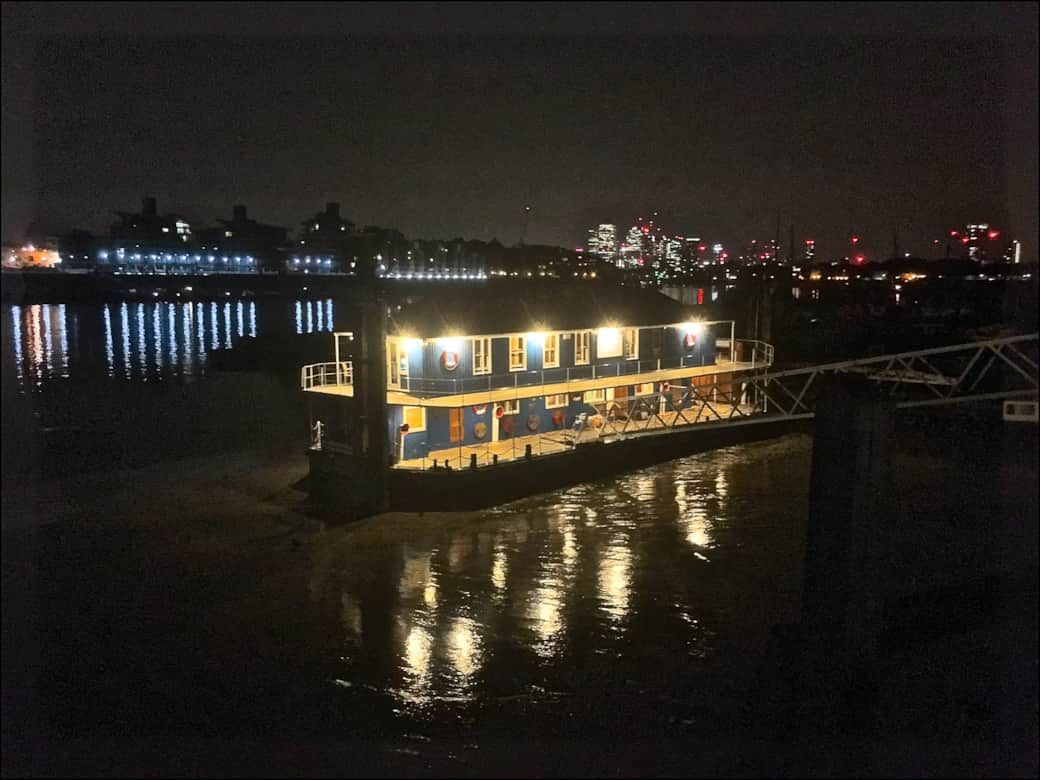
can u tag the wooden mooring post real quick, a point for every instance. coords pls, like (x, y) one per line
(820, 672)
(849, 504)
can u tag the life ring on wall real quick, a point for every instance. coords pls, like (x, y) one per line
(507, 426)
(690, 341)
(665, 387)
(450, 360)
(558, 419)
(480, 430)
(480, 409)
(499, 411)
(597, 422)
(533, 422)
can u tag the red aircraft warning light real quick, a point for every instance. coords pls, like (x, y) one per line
(854, 239)
(993, 234)
(953, 233)
(860, 259)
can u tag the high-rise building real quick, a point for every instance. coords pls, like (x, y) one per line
(603, 242)
(977, 241)
(810, 250)
(633, 250)
(975, 233)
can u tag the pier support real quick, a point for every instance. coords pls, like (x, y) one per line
(370, 423)
(820, 673)
(849, 495)
(349, 483)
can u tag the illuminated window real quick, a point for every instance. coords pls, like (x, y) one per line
(630, 339)
(517, 353)
(551, 353)
(594, 396)
(581, 347)
(482, 355)
(647, 388)
(415, 418)
(510, 407)
(555, 401)
(608, 343)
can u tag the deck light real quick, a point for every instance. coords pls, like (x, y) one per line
(450, 344)
(608, 340)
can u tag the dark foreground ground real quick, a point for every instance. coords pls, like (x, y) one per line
(170, 620)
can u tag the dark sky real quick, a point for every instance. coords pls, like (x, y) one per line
(444, 120)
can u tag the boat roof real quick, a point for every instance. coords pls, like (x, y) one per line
(566, 308)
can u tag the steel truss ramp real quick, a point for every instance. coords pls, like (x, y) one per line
(1002, 368)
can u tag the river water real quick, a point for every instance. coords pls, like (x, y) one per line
(124, 384)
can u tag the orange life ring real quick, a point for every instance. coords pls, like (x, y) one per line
(480, 409)
(597, 422)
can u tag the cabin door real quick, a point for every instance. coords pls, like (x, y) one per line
(454, 425)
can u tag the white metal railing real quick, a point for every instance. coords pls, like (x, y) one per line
(754, 355)
(325, 374)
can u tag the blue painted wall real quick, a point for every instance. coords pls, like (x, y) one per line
(425, 364)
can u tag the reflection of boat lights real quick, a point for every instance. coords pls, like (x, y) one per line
(417, 652)
(430, 594)
(464, 650)
(499, 569)
(544, 612)
(614, 580)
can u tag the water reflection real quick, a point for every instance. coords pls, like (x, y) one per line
(603, 574)
(464, 650)
(137, 341)
(615, 579)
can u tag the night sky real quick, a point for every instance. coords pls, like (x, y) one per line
(444, 121)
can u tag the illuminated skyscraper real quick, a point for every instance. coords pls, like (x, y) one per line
(602, 242)
(810, 249)
(634, 250)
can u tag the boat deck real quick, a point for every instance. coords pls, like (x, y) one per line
(400, 397)
(565, 440)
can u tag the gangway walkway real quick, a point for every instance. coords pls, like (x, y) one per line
(1001, 368)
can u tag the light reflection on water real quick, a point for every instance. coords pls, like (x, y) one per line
(519, 596)
(137, 341)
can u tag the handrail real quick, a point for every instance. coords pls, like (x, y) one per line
(326, 374)
(759, 355)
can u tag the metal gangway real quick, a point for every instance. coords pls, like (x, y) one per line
(993, 369)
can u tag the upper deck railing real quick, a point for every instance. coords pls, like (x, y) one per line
(751, 355)
(744, 353)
